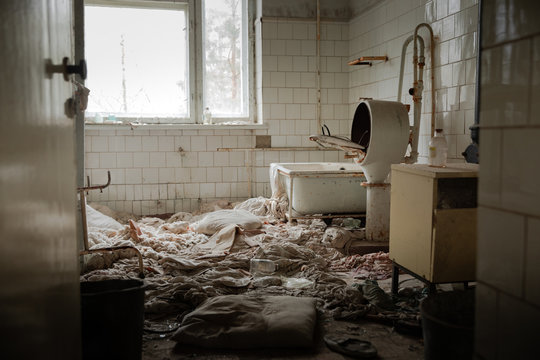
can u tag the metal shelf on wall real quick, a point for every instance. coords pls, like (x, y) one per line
(366, 60)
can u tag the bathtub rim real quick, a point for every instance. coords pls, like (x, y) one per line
(281, 167)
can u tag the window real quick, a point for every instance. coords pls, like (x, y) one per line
(165, 62)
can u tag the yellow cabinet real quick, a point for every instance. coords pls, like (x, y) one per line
(433, 221)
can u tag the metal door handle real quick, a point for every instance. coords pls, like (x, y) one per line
(66, 69)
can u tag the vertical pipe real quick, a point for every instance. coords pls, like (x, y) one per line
(402, 66)
(432, 53)
(318, 62)
(419, 41)
(82, 200)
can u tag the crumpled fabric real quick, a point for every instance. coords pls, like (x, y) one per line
(99, 220)
(337, 237)
(183, 268)
(217, 220)
(242, 322)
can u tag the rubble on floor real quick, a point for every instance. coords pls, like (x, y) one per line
(187, 260)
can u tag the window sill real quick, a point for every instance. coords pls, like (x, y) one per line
(94, 126)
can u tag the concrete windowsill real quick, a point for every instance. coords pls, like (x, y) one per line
(93, 126)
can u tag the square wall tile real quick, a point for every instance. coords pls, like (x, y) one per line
(505, 84)
(518, 328)
(500, 253)
(133, 176)
(124, 160)
(157, 159)
(150, 143)
(532, 256)
(107, 160)
(485, 331)
(141, 159)
(489, 181)
(534, 116)
(299, 31)
(520, 190)
(166, 143)
(100, 143)
(133, 143)
(150, 176)
(116, 143)
(504, 20)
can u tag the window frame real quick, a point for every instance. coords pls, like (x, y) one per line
(195, 61)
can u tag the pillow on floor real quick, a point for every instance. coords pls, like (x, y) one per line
(241, 322)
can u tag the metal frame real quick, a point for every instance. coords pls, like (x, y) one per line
(82, 193)
(432, 288)
(195, 61)
(290, 213)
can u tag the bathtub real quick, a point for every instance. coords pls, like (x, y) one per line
(320, 188)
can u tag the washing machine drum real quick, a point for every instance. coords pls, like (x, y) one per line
(379, 128)
(361, 126)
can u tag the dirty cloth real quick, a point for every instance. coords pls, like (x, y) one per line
(99, 220)
(240, 322)
(184, 268)
(217, 220)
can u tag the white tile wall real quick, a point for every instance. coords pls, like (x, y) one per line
(383, 30)
(142, 161)
(508, 308)
(149, 173)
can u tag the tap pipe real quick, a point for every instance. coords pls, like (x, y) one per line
(416, 92)
(402, 66)
(432, 53)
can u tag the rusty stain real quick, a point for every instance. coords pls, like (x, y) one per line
(381, 185)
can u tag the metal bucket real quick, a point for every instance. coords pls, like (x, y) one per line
(448, 325)
(112, 314)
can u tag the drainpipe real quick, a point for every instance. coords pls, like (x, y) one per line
(318, 62)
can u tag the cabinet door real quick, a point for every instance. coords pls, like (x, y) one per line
(411, 213)
(454, 245)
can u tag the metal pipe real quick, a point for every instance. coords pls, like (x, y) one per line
(432, 54)
(402, 66)
(318, 62)
(82, 199)
(418, 41)
(97, 187)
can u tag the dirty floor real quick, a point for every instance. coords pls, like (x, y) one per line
(390, 346)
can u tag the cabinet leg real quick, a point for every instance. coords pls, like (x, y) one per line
(395, 279)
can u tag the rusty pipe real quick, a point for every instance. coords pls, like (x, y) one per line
(432, 53)
(97, 187)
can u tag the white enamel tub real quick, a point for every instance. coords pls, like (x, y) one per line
(332, 189)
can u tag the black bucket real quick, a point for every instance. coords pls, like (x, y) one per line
(448, 325)
(112, 319)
